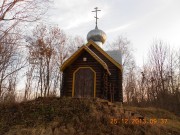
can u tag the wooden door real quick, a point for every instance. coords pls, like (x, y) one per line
(84, 83)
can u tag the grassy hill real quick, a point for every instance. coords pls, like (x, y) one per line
(68, 116)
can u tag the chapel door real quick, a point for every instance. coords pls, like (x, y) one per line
(84, 83)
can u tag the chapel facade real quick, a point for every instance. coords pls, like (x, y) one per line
(93, 72)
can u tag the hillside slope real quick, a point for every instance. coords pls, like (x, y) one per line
(68, 116)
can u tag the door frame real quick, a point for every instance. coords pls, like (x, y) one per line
(74, 73)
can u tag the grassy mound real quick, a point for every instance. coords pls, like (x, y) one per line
(68, 116)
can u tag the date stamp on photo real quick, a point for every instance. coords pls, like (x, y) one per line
(136, 121)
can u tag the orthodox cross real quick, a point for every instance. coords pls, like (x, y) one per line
(96, 10)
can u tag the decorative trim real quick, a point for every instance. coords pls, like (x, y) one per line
(78, 52)
(70, 59)
(74, 79)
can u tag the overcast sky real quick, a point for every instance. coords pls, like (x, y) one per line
(141, 21)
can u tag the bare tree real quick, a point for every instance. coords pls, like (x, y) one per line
(12, 12)
(11, 62)
(159, 79)
(124, 46)
(49, 49)
(158, 59)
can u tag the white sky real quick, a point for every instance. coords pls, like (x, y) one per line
(141, 21)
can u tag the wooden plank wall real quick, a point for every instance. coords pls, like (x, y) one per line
(115, 77)
(68, 73)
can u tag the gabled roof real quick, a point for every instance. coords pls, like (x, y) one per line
(116, 55)
(78, 52)
(117, 64)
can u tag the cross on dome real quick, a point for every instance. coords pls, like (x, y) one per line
(96, 34)
(96, 10)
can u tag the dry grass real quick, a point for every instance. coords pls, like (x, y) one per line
(78, 116)
(172, 123)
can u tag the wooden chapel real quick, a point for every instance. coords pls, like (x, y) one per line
(93, 72)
